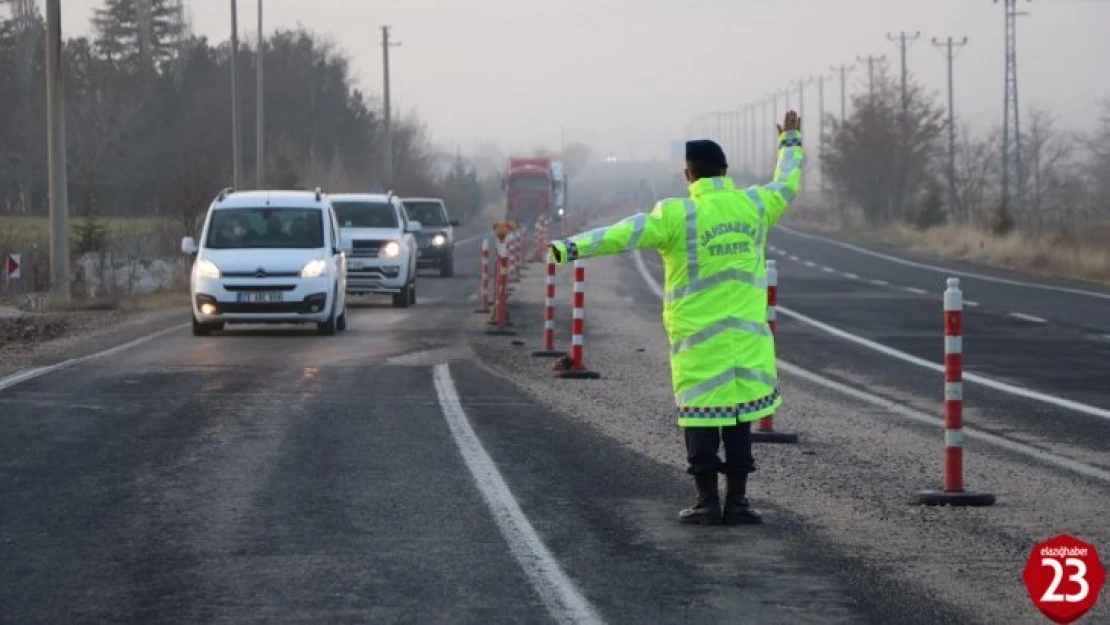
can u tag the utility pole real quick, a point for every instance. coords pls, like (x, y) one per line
(236, 134)
(820, 128)
(1013, 187)
(259, 132)
(753, 154)
(768, 114)
(56, 153)
(871, 60)
(904, 42)
(843, 71)
(952, 47)
(388, 160)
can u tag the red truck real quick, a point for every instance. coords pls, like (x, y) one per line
(529, 189)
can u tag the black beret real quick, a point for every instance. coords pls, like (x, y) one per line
(706, 151)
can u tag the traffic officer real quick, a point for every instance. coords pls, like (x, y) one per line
(715, 310)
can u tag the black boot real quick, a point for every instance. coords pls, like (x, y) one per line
(737, 511)
(707, 510)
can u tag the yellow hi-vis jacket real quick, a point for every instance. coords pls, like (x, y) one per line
(715, 291)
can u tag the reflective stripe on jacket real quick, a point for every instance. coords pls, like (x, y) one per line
(715, 291)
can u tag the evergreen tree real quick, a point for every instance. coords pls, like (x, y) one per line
(140, 33)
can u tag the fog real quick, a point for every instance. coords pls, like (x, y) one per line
(627, 76)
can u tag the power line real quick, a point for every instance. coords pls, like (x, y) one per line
(871, 60)
(1012, 178)
(843, 71)
(951, 49)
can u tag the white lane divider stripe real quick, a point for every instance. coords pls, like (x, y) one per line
(564, 601)
(970, 303)
(1025, 317)
(29, 374)
(828, 270)
(810, 263)
(793, 257)
(1059, 461)
(851, 276)
(879, 282)
(913, 289)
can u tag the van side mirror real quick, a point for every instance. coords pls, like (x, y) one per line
(414, 226)
(455, 222)
(189, 246)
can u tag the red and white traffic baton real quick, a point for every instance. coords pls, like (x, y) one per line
(765, 431)
(501, 305)
(483, 288)
(575, 367)
(548, 350)
(953, 493)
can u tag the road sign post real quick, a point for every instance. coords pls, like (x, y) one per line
(1064, 577)
(13, 266)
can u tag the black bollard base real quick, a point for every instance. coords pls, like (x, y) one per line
(953, 498)
(579, 374)
(505, 331)
(548, 353)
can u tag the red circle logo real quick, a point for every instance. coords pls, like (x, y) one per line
(1064, 577)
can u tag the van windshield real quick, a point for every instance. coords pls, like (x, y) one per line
(266, 227)
(353, 214)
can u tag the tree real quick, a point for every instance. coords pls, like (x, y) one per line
(1048, 181)
(878, 162)
(139, 33)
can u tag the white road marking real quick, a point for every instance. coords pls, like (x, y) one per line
(470, 240)
(828, 270)
(564, 601)
(29, 374)
(970, 303)
(947, 272)
(1025, 317)
(851, 276)
(913, 289)
(793, 257)
(810, 263)
(909, 413)
(879, 282)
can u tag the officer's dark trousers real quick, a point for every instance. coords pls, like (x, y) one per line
(702, 445)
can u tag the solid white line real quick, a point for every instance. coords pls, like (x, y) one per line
(29, 374)
(1061, 402)
(913, 289)
(904, 411)
(1025, 317)
(948, 272)
(559, 593)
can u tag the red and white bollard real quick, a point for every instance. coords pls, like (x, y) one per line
(548, 350)
(514, 256)
(500, 322)
(537, 241)
(522, 250)
(953, 493)
(765, 431)
(575, 366)
(483, 288)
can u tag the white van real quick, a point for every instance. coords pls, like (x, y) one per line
(268, 257)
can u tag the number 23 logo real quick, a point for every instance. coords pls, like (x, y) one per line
(1079, 577)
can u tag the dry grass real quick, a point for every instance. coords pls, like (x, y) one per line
(23, 229)
(1081, 255)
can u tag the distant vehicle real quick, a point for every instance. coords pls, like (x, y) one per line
(529, 189)
(383, 246)
(559, 191)
(268, 257)
(436, 241)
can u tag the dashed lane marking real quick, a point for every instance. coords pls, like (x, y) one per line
(810, 263)
(970, 303)
(564, 601)
(793, 257)
(879, 282)
(828, 270)
(950, 272)
(913, 289)
(851, 276)
(1025, 317)
(895, 408)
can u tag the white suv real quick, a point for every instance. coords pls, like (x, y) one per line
(383, 246)
(268, 257)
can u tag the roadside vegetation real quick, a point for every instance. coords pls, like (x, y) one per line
(886, 181)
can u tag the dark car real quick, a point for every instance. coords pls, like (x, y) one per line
(436, 240)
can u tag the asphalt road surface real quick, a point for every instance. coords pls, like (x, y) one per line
(378, 476)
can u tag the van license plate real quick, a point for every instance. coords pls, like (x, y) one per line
(259, 297)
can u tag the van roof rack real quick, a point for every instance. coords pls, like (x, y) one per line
(318, 193)
(226, 191)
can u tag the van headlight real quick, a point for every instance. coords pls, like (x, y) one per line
(390, 250)
(206, 269)
(439, 240)
(314, 269)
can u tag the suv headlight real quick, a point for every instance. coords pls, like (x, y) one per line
(314, 269)
(390, 250)
(206, 269)
(439, 240)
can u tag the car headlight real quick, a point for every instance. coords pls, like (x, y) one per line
(207, 269)
(560, 212)
(314, 269)
(439, 240)
(390, 250)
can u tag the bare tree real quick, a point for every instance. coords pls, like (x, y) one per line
(1048, 184)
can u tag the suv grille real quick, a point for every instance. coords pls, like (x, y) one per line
(362, 248)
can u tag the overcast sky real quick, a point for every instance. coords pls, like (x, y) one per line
(628, 75)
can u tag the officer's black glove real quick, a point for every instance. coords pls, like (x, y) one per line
(555, 253)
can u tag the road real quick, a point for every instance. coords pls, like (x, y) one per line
(378, 476)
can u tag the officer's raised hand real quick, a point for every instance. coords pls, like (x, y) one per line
(555, 253)
(790, 122)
